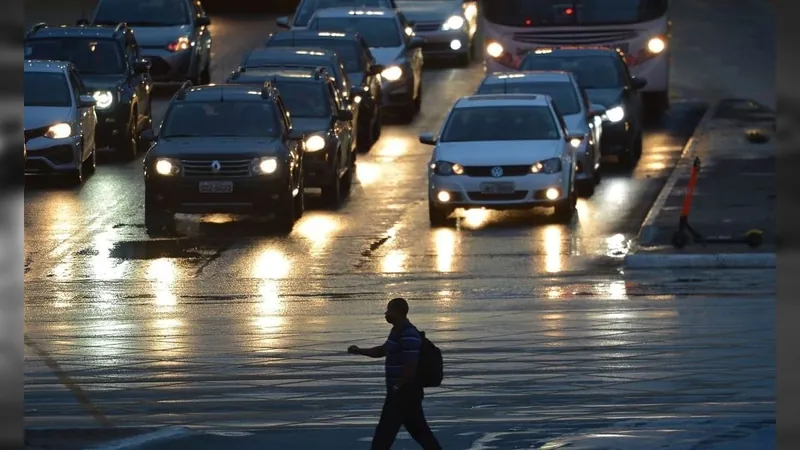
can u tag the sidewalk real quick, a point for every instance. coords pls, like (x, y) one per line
(735, 193)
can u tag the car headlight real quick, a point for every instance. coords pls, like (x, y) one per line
(447, 168)
(576, 142)
(182, 43)
(315, 143)
(103, 99)
(656, 45)
(59, 131)
(453, 23)
(615, 114)
(265, 166)
(167, 166)
(392, 73)
(552, 165)
(494, 50)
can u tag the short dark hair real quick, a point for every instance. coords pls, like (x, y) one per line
(400, 305)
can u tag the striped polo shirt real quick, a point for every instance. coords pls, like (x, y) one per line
(401, 346)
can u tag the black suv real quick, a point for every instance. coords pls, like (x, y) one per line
(112, 68)
(361, 69)
(224, 149)
(319, 112)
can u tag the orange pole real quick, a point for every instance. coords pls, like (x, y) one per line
(687, 201)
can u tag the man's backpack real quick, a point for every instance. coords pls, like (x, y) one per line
(430, 369)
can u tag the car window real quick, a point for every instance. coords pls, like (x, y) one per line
(562, 92)
(217, 119)
(591, 71)
(345, 49)
(90, 56)
(500, 123)
(377, 31)
(77, 84)
(164, 13)
(307, 8)
(47, 89)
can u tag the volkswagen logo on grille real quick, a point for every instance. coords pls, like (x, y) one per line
(216, 166)
(497, 172)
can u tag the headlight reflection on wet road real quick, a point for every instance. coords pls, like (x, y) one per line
(445, 241)
(553, 248)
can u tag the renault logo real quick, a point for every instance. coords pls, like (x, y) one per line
(215, 166)
(497, 172)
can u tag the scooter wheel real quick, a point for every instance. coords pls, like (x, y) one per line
(754, 238)
(679, 239)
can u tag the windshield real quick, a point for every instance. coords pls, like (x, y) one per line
(47, 89)
(590, 71)
(90, 57)
(378, 32)
(305, 99)
(217, 119)
(562, 93)
(142, 13)
(532, 13)
(347, 51)
(500, 123)
(309, 7)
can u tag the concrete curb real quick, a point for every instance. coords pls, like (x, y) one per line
(135, 442)
(708, 261)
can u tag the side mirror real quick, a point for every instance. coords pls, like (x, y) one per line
(283, 22)
(141, 66)
(345, 115)
(86, 101)
(416, 42)
(596, 110)
(147, 136)
(203, 21)
(428, 139)
(295, 135)
(638, 83)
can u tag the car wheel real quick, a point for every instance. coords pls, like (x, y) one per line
(76, 176)
(418, 100)
(377, 125)
(364, 139)
(157, 220)
(332, 193)
(130, 145)
(565, 209)
(285, 214)
(347, 179)
(629, 159)
(439, 216)
(90, 165)
(300, 200)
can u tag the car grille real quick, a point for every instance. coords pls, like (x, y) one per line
(556, 38)
(436, 47)
(486, 171)
(479, 196)
(61, 154)
(197, 168)
(159, 67)
(35, 133)
(427, 27)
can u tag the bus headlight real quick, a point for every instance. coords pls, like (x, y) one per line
(615, 114)
(494, 49)
(656, 45)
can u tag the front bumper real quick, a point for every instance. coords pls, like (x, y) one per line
(469, 192)
(112, 124)
(47, 156)
(617, 138)
(440, 44)
(397, 94)
(167, 66)
(318, 170)
(250, 195)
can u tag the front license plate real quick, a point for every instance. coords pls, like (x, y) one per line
(216, 187)
(497, 188)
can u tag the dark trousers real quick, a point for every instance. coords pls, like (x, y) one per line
(404, 408)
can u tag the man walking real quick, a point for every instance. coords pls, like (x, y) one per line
(403, 404)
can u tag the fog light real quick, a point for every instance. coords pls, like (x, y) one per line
(455, 44)
(443, 196)
(552, 194)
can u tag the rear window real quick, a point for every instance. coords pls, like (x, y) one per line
(562, 93)
(309, 7)
(378, 32)
(590, 71)
(500, 123)
(143, 13)
(348, 51)
(221, 119)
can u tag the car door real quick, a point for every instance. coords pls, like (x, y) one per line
(342, 128)
(86, 117)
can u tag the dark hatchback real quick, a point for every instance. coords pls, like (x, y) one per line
(112, 69)
(224, 149)
(603, 74)
(319, 113)
(361, 69)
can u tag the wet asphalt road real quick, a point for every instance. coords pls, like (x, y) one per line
(226, 328)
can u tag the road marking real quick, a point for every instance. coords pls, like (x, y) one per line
(65, 380)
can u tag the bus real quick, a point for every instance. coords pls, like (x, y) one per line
(638, 28)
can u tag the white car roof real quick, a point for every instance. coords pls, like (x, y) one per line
(355, 12)
(527, 76)
(480, 101)
(37, 65)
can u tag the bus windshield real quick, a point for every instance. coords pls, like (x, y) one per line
(543, 13)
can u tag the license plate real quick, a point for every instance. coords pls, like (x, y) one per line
(216, 187)
(497, 188)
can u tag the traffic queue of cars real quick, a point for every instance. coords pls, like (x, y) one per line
(296, 112)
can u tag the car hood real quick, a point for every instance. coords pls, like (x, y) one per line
(576, 123)
(310, 124)
(205, 147)
(506, 153)
(429, 11)
(159, 36)
(605, 97)
(386, 55)
(43, 116)
(102, 82)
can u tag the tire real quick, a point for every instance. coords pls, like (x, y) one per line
(129, 149)
(300, 201)
(565, 209)
(377, 125)
(90, 165)
(347, 180)
(364, 140)
(332, 194)
(157, 220)
(285, 215)
(629, 159)
(418, 100)
(438, 216)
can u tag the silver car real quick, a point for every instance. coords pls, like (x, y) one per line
(501, 152)
(173, 35)
(59, 122)
(448, 26)
(572, 103)
(306, 9)
(393, 45)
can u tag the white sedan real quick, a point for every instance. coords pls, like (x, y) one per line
(502, 152)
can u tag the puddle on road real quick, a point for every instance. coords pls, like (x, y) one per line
(166, 248)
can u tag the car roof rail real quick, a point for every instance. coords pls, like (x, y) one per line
(35, 28)
(181, 93)
(268, 89)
